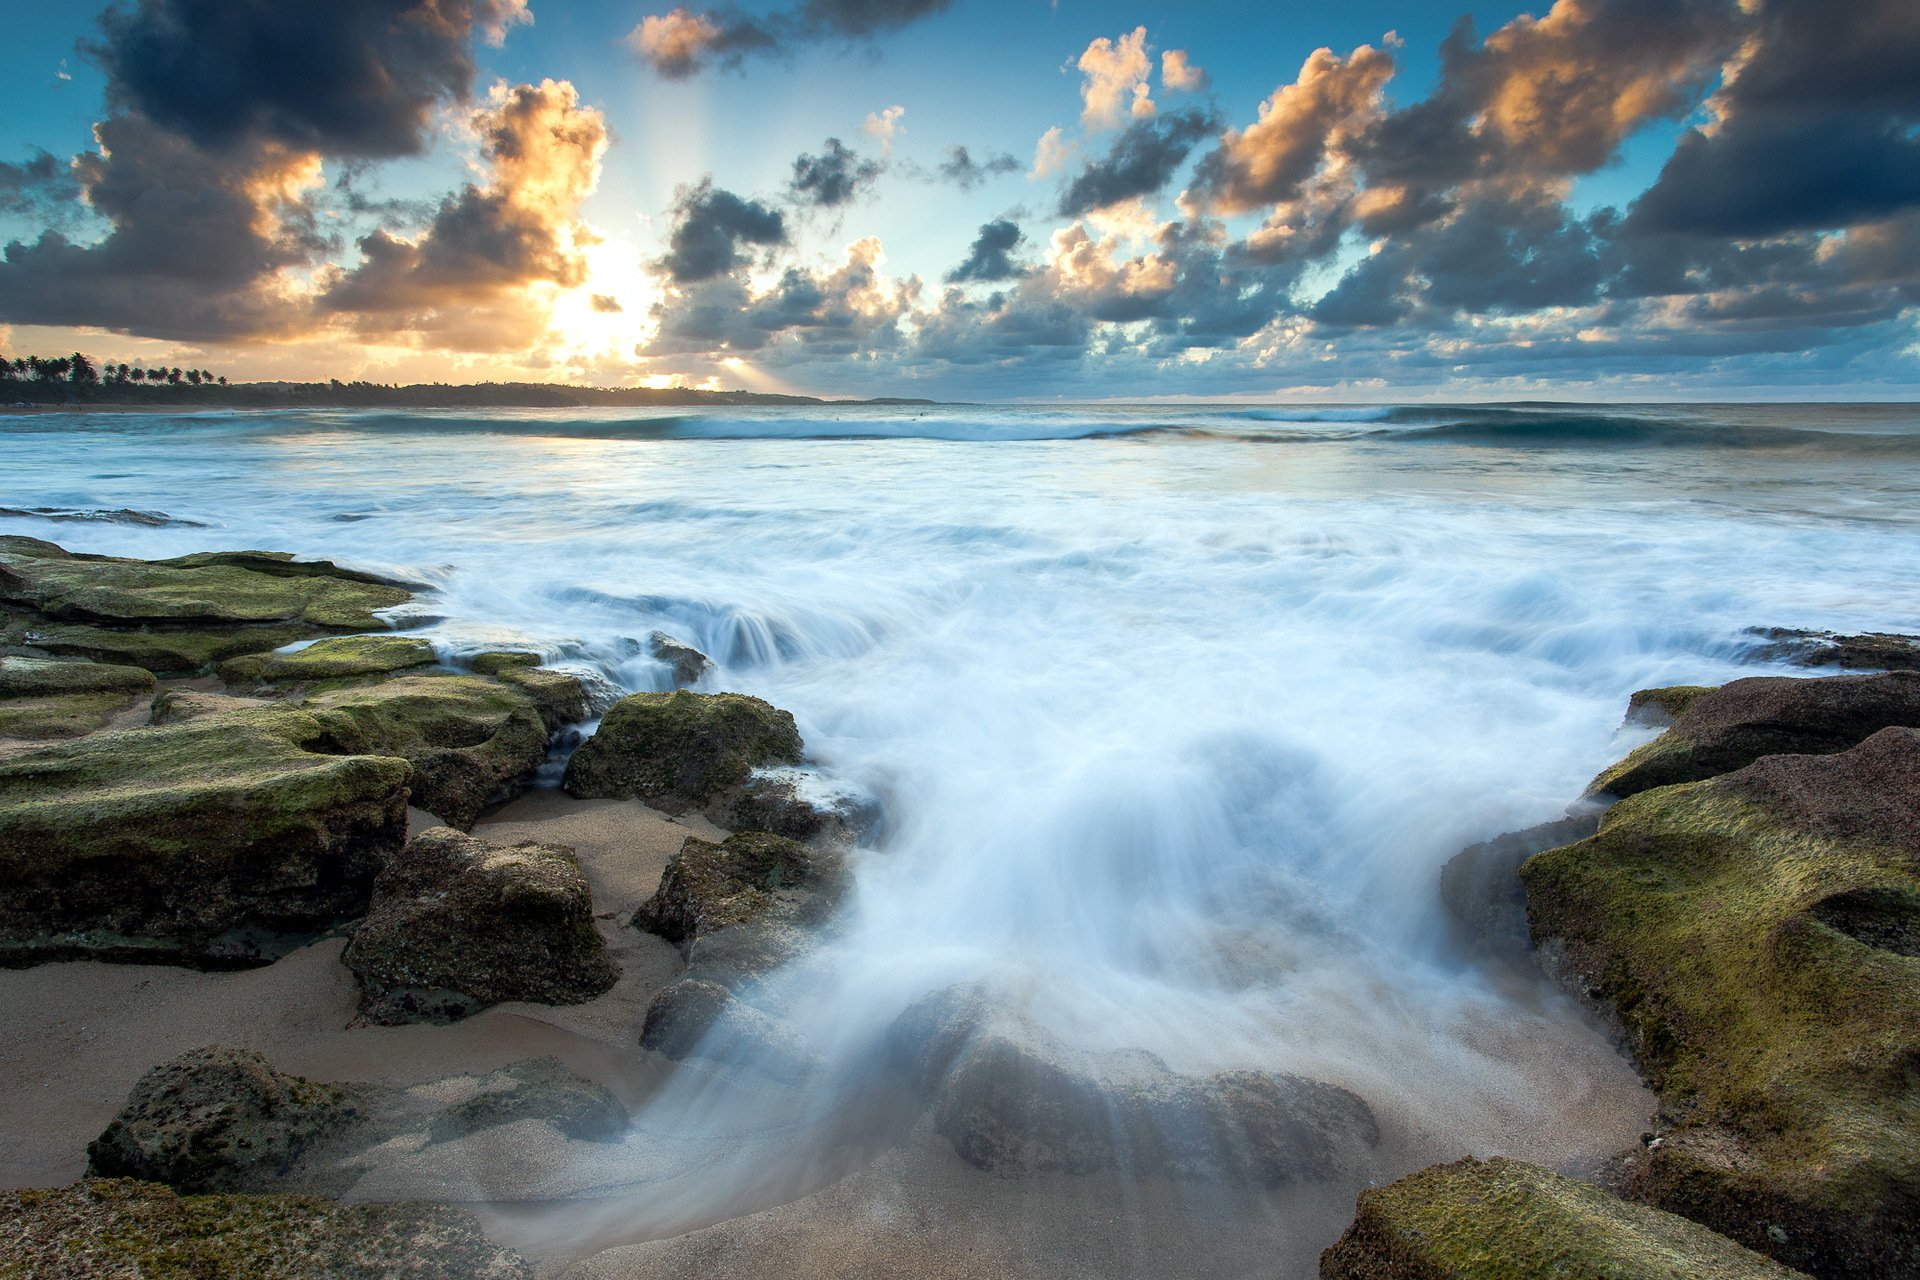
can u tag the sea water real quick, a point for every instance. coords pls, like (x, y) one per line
(1172, 713)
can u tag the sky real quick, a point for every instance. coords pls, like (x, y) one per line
(977, 199)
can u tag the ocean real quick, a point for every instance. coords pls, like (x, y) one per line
(1173, 713)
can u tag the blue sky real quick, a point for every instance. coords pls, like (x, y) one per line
(1564, 202)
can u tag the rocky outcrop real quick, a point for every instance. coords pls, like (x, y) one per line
(1010, 1097)
(1872, 651)
(1755, 933)
(221, 840)
(559, 699)
(457, 924)
(1732, 726)
(1501, 1219)
(117, 1227)
(686, 663)
(681, 751)
(180, 616)
(47, 699)
(708, 887)
(339, 658)
(468, 739)
(1481, 889)
(221, 1119)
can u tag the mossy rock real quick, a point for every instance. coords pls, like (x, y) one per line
(122, 1228)
(172, 652)
(220, 841)
(1757, 934)
(335, 658)
(1500, 1219)
(220, 1119)
(680, 751)
(46, 698)
(467, 739)
(707, 887)
(213, 588)
(1871, 651)
(457, 924)
(1728, 728)
(1661, 707)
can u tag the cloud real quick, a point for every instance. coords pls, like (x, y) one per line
(1143, 160)
(832, 178)
(968, 174)
(43, 188)
(489, 242)
(885, 125)
(710, 226)
(1330, 101)
(991, 257)
(682, 42)
(1116, 74)
(1051, 153)
(1180, 74)
(1815, 128)
(847, 311)
(349, 78)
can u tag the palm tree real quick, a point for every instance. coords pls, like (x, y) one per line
(81, 371)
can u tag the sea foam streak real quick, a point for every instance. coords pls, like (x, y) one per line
(1172, 728)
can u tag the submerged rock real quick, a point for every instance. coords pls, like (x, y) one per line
(1010, 1097)
(1872, 651)
(1501, 1219)
(687, 663)
(117, 1227)
(45, 698)
(1480, 885)
(221, 840)
(696, 1018)
(457, 924)
(1755, 933)
(538, 1089)
(1727, 728)
(709, 887)
(681, 751)
(468, 739)
(220, 1119)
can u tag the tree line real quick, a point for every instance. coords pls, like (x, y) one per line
(77, 370)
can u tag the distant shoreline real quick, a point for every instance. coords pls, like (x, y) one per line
(28, 397)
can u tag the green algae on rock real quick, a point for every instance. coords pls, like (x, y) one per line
(180, 616)
(457, 924)
(680, 751)
(1661, 707)
(220, 840)
(220, 1119)
(47, 698)
(1727, 728)
(335, 658)
(1500, 1219)
(119, 1227)
(468, 739)
(1755, 934)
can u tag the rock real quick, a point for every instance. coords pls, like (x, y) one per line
(695, 1018)
(220, 1119)
(708, 887)
(224, 840)
(1732, 726)
(1754, 934)
(1481, 888)
(794, 803)
(681, 751)
(1658, 708)
(117, 1227)
(1010, 1097)
(180, 616)
(41, 698)
(338, 658)
(687, 663)
(1500, 1219)
(457, 924)
(538, 1089)
(1873, 651)
(469, 740)
(560, 699)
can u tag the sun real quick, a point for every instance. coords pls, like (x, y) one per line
(610, 311)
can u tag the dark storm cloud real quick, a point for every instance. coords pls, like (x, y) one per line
(834, 177)
(43, 187)
(991, 257)
(1142, 161)
(968, 174)
(709, 227)
(683, 42)
(1817, 128)
(346, 78)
